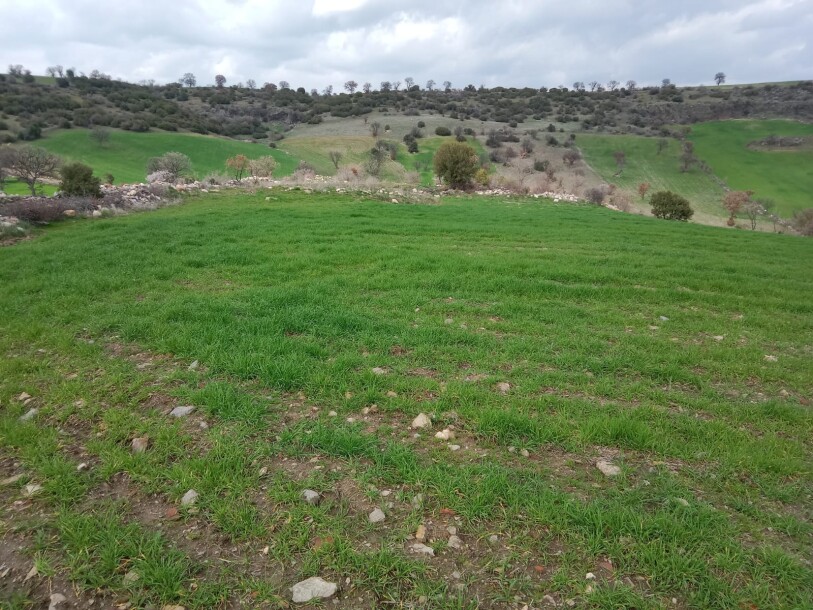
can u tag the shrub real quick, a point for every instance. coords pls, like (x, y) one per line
(238, 164)
(481, 177)
(541, 165)
(571, 157)
(44, 210)
(670, 206)
(803, 222)
(456, 163)
(173, 165)
(443, 131)
(263, 167)
(77, 179)
(109, 179)
(421, 124)
(595, 195)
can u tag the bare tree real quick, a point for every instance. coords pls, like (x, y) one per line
(189, 80)
(220, 81)
(335, 158)
(687, 158)
(283, 84)
(375, 127)
(620, 161)
(430, 85)
(631, 85)
(396, 85)
(386, 85)
(613, 85)
(593, 84)
(328, 91)
(409, 82)
(719, 78)
(100, 135)
(251, 83)
(6, 161)
(578, 86)
(366, 87)
(663, 144)
(447, 86)
(30, 164)
(351, 86)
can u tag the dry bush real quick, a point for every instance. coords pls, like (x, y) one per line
(803, 222)
(45, 210)
(595, 195)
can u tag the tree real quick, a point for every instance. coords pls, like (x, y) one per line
(670, 206)
(30, 164)
(663, 144)
(570, 157)
(593, 84)
(189, 80)
(666, 82)
(803, 221)
(283, 84)
(687, 158)
(643, 189)
(734, 202)
(456, 163)
(262, 167)
(447, 86)
(328, 91)
(613, 85)
(270, 87)
(366, 87)
(409, 82)
(430, 85)
(220, 81)
(578, 86)
(174, 165)
(335, 158)
(100, 135)
(251, 83)
(6, 161)
(77, 180)
(238, 164)
(631, 85)
(620, 161)
(375, 127)
(351, 86)
(719, 78)
(386, 85)
(396, 85)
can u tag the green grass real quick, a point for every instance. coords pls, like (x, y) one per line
(643, 164)
(784, 176)
(127, 153)
(15, 187)
(427, 147)
(288, 304)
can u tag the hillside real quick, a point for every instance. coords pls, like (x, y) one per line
(621, 397)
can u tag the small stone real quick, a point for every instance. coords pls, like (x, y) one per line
(422, 421)
(69, 213)
(11, 480)
(140, 444)
(455, 542)
(493, 539)
(55, 600)
(181, 411)
(377, 516)
(457, 575)
(171, 607)
(454, 447)
(682, 502)
(189, 498)
(422, 549)
(392, 394)
(333, 414)
(452, 530)
(29, 415)
(313, 588)
(32, 489)
(784, 393)
(24, 396)
(420, 534)
(588, 589)
(512, 449)
(769, 358)
(590, 576)
(311, 497)
(445, 434)
(417, 501)
(263, 471)
(525, 453)
(718, 337)
(194, 366)
(664, 319)
(548, 600)
(82, 467)
(31, 573)
(131, 577)
(171, 513)
(448, 321)
(608, 469)
(503, 387)
(379, 371)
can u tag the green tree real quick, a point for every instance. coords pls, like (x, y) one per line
(456, 163)
(670, 206)
(77, 179)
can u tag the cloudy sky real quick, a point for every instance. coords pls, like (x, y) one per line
(314, 43)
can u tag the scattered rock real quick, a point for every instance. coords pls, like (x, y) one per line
(379, 371)
(590, 576)
(31, 573)
(454, 447)
(718, 337)
(56, 599)
(445, 434)
(608, 469)
(332, 414)
(377, 516)
(493, 539)
(392, 394)
(131, 577)
(420, 534)
(82, 467)
(173, 608)
(664, 319)
(422, 549)
(140, 444)
(181, 411)
(31, 414)
(525, 453)
(32, 489)
(189, 498)
(311, 497)
(11, 480)
(24, 396)
(682, 502)
(548, 600)
(769, 358)
(455, 542)
(69, 213)
(422, 421)
(313, 588)
(263, 471)
(194, 366)
(503, 387)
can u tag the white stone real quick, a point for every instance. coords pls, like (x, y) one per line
(56, 600)
(140, 444)
(454, 447)
(503, 387)
(422, 421)
(24, 396)
(311, 497)
(32, 489)
(422, 549)
(445, 434)
(181, 411)
(313, 588)
(194, 366)
(455, 542)
(379, 371)
(377, 516)
(189, 498)
(608, 468)
(29, 415)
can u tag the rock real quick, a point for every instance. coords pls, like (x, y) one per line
(97, 214)
(131, 577)
(194, 366)
(311, 497)
(454, 447)
(31, 573)
(377, 516)
(493, 539)
(379, 371)
(718, 337)
(32, 489)
(189, 498)
(332, 414)
(69, 213)
(769, 358)
(11, 480)
(263, 471)
(503, 387)
(82, 467)
(140, 444)
(455, 542)
(422, 421)
(664, 319)
(392, 394)
(181, 411)
(590, 576)
(24, 396)
(445, 434)
(56, 599)
(548, 600)
(525, 453)
(608, 469)
(417, 501)
(173, 608)
(31, 414)
(422, 549)
(682, 502)
(313, 588)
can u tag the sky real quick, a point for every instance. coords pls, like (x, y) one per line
(511, 43)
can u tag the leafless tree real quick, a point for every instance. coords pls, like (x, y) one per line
(430, 85)
(409, 82)
(189, 80)
(663, 144)
(251, 83)
(613, 85)
(335, 158)
(366, 87)
(687, 158)
(578, 86)
(620, 161)
(328, 91)
(284, 84)
(396, 85)
(447, 86)
(30, 164)
(375, 127)
(100, 135)
(386, 85)
(593, 84)
(351, 86)
(631, 85)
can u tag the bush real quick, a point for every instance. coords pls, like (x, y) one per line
(421, 124)
(541, 165)
(173, 165)
(803, 222)
(595, 195)
(263, 167)
(670, 206)
(443, 131)
(44, 210)
(481, 177)
(456, 163)
(77, 179)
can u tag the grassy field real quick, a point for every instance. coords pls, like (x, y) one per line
(785, 176)
(127, 153)
(644, 164)
(15, 187)
(308, 332)
(427, 147)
